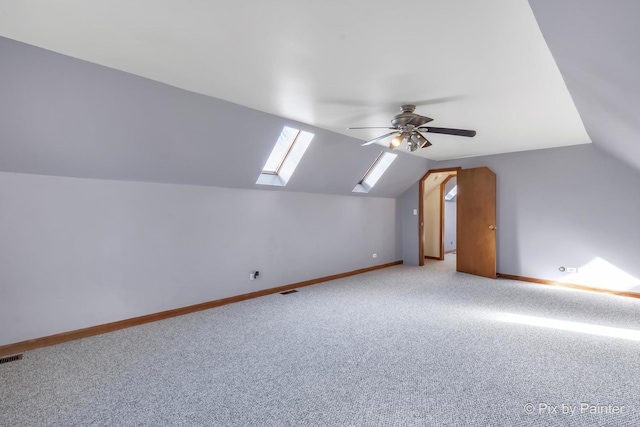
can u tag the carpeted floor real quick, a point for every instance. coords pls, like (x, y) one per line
(403, 346)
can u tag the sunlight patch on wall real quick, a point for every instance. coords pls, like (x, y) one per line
(583, 328)
(599, 273)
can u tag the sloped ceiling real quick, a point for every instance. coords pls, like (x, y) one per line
(67, 117)
(596, 46)
(472, 64)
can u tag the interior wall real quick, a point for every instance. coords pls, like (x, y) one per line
(450, 236)
(573, 207)
(450, 218)
(407, 213)
(431, 212)
(80, 252)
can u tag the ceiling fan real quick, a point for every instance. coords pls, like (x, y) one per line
(408, 127)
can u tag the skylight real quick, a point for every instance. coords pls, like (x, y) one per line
(451, 194)
(375, 172)
(285, 156)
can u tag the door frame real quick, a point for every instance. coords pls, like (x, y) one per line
(421, 212)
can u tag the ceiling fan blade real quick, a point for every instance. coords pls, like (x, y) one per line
(379, 138)
(440, 100)
(384, 105)
(448, 131)
(369, 127)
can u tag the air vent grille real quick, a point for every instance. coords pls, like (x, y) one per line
(10, 358)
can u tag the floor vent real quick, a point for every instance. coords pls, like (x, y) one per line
(293, 291)
(10, 358)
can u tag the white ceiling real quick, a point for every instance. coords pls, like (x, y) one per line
(332, 64)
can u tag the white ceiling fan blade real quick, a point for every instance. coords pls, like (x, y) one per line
(374, 127)
(379, 138)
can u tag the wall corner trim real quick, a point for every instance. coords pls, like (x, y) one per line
(60, 338)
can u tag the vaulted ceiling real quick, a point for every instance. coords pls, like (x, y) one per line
(596, 46)
(66, 117)
(234, 73)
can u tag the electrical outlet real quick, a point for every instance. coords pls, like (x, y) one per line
(572, 270)
(252, 276)
(375, 255)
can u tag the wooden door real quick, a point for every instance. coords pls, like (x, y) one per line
(476, 222)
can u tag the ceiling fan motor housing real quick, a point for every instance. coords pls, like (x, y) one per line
(408, 118)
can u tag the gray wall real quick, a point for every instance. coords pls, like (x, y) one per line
(450, 225)
(409, 227)
(80, 252)
(450, 209)
(562, 206)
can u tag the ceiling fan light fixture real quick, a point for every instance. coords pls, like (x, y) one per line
(396, 141)
(415, 142)
(420, 140)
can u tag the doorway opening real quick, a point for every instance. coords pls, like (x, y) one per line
(432, 213)
(475, 219)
